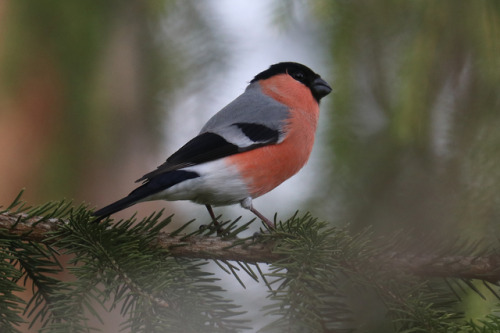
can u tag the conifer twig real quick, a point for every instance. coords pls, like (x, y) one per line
(38, 229)
(465, 267)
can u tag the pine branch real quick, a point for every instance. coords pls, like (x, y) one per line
(486, 267)
(153, 274)
(39, 229)
(464, 267)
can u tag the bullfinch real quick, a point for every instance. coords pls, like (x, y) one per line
(252, 145)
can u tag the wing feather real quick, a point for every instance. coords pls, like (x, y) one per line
(251, 121)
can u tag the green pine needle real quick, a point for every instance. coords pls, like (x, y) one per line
(118, 266)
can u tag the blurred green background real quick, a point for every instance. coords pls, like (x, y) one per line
(409, 138)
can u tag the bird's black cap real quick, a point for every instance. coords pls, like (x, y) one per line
(319, 87)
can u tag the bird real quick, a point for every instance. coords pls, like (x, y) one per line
(245, 150)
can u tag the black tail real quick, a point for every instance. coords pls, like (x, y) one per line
(154, 185)
(116, 207)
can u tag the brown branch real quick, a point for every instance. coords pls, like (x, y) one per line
(217, 248)
(36, 229)
(466, 267)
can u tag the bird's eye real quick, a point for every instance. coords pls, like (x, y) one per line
(299, 76)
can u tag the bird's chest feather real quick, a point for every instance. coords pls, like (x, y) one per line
(265, 168)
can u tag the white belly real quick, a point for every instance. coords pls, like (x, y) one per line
(218, 185)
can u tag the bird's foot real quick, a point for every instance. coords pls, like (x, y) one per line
(214, 226)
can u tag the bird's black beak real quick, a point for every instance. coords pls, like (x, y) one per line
(320, 88)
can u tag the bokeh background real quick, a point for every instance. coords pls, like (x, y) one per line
(95, 94)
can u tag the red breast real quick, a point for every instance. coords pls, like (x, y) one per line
(265, 168)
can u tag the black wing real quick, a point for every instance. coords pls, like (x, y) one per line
(210, 146)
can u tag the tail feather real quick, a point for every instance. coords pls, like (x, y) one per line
(116, 207)
(152, 186)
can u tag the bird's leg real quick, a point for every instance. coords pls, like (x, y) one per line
(247, 204)
(212, 215)
(263, 218)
